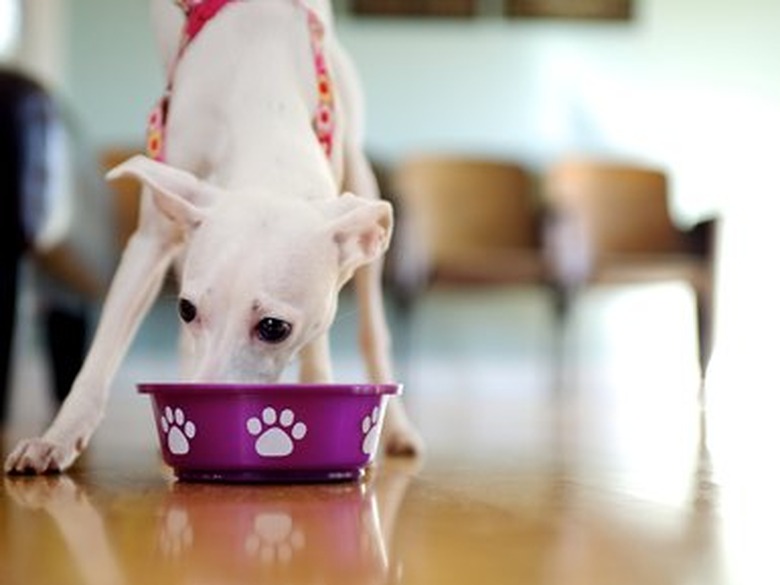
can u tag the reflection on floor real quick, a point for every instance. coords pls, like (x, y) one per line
(574, 457)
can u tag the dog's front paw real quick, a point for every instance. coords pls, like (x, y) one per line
(40, 456)
(402, 440)
(399, 435)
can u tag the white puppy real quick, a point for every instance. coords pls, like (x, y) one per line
(261, 137)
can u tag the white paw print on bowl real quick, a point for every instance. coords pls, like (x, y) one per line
(274, 538)
(370, 426)
(276, 435)
(178, 430)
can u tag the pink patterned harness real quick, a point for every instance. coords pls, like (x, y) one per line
(198, 13)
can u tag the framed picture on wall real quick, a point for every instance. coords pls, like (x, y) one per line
(432, 8)
(574, 9)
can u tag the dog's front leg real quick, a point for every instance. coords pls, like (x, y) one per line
(135, 285)
(399, 435)
(315, 362)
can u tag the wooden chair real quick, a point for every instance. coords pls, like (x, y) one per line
(464, 221)
(609, 222)
(127, 206)
(127, 192)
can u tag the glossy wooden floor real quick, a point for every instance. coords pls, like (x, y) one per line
(585, 460)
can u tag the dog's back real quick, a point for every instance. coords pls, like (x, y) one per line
(251, 75)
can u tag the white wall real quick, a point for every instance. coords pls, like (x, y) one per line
(690, 85)
(113, 76)
(37, 41)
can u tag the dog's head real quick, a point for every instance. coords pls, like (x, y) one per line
(260, 274)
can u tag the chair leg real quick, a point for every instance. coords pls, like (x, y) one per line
(402, 331)
(406, 288)
(704, 329)
(562, 301)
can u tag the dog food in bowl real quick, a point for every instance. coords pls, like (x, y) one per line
(269, 432)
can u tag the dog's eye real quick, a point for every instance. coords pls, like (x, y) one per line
(187, 311)
(273, 330)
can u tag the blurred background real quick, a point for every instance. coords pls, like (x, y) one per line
(519, 118)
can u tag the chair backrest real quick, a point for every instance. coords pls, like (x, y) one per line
(127, 191)
(623, 208)
(460, 204)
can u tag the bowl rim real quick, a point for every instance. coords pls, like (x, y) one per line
(191, 388)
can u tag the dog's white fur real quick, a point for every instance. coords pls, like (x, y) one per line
(254, 216)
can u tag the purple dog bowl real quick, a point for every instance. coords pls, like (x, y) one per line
(269, 432)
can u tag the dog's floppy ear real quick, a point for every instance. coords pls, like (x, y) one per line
(361, 229)
(178, 194)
